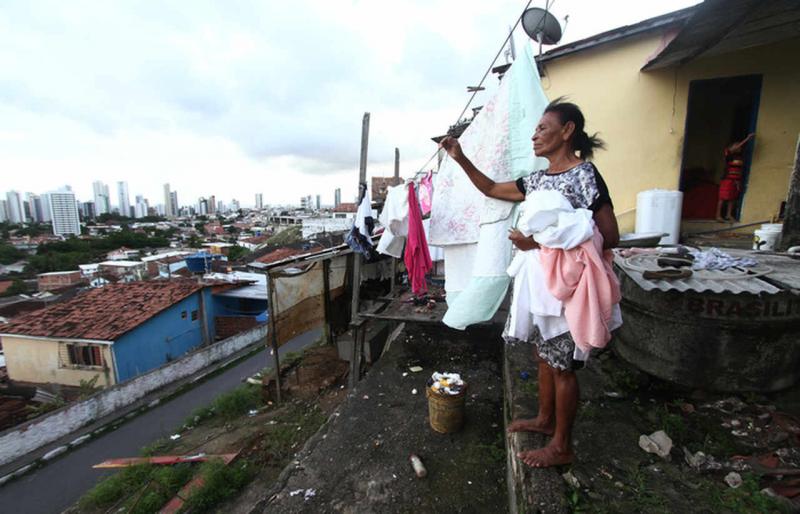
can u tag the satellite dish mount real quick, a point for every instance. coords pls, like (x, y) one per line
(541, 26)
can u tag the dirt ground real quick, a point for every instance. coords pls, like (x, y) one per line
(755, 437)
(359, 462)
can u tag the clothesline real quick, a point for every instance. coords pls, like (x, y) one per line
(478, 87)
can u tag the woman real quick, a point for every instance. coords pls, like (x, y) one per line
(560, 137)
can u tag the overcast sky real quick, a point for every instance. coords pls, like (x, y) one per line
(233, 98)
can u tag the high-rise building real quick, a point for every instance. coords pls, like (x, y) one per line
(168, 210)
(123, 199)
(44, 201)
(202, 206)
(141, 208)
(173, 203)
(259, 201)
(64, 209)
(318, 202)
(16, 209)
(102, 200)
(337, 197)
(34, 207)
(235, 205)
(3, 211)
(212, 204)
(87, 211)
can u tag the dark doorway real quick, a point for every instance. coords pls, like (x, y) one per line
(720, 112)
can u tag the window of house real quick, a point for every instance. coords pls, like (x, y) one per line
(194, 315)
(74, 355)
(183, 314)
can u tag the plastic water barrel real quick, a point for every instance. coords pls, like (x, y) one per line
(768, 237)
(659, 210)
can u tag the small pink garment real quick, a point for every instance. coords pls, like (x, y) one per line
(426, 193)
(417, 256)
(583, 279)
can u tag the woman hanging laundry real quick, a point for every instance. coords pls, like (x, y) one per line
(560, 137)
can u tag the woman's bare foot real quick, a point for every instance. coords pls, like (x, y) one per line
(547, 457)
(532, 425)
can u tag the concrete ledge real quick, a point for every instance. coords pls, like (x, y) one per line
(529, 489)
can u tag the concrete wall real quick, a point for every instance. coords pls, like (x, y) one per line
(37, 360)
(642, 116)
(18, 441)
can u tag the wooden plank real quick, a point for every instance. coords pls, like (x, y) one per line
(162, 460)
(355, 370)
(791, 222)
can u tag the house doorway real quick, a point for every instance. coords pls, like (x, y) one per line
(720, 112)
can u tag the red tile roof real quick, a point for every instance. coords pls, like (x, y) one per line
(346, 207)
(105, 313)
(4, 285)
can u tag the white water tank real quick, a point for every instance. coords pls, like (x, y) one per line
(659, 210)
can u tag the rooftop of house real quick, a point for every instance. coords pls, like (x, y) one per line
(346, 207)
(286, 252)
(106, 313)
(122, 264)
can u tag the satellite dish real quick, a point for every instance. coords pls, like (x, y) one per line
(541, 26)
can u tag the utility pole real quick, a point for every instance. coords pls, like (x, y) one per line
(355, 325)
(396, 163)
(791, 220)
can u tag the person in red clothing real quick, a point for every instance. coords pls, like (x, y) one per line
(730, 187)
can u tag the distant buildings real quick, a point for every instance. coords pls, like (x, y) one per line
(259, 201)
(170, 202)
(64, 210)
(15, 210)
(102, 204)
(87, 211)
(318, 203)
(123, 199)
(142, 207)
(337, 197)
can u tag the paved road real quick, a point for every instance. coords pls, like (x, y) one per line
(56, 486)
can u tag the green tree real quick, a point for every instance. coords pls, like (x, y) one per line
(9, 254)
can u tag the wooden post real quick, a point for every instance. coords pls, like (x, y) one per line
(204, 318)
(354, 318)
(394, 261)
(273, 335)
(327, 329)
(791, 220)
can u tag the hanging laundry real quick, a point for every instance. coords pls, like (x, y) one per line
(498, 143)
(426, 193)
(359, 239)
(394, 218)
(417, 258)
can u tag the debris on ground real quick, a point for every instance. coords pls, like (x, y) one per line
(418, 466)
(733, 479)
(658, 442)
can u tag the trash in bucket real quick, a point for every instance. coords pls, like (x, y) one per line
(446, 393)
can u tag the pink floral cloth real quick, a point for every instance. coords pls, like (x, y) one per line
(426, 193)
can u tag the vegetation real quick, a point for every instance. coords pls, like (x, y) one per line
(237, 252)
(9, 254)
(68, 254)
(17, 287)
(293, 234)
(220, 482)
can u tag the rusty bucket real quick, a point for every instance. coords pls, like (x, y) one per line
(446, 412)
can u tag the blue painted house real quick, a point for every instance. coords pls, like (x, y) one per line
(118, 331)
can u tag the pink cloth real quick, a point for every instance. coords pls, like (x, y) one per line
(417, 257)
(583, 279)
(426, 193)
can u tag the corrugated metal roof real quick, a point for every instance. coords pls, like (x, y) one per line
(701, 284)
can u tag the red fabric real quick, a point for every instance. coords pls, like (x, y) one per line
(417, 256)
(730, 189)
(583, 279)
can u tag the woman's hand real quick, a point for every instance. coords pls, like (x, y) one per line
(452, 147)
(522, 241)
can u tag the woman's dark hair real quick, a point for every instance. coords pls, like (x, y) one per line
(582, 142)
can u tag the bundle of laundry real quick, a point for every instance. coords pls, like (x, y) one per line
(359, 239)
(568, 284)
